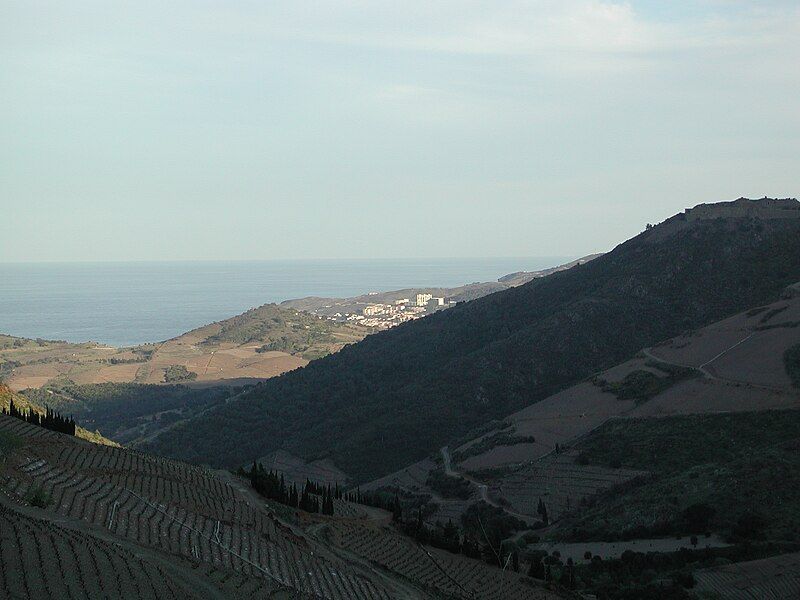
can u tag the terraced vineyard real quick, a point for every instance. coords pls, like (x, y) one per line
(561, 483)
(209, 524)
(178, 509)
(45, 561)
(442, 573)
(771, 578)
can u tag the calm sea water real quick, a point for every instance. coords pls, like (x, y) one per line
(131, 303)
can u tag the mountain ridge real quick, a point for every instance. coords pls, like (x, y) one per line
(435, 378)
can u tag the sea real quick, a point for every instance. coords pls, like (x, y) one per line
(129, 303)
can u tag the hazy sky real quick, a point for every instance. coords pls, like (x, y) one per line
(239, 129)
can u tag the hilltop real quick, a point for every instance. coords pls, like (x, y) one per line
(399, 395)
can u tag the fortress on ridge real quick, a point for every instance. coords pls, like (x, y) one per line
(775, 211)
(764, 208)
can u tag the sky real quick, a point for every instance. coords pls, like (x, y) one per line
(196, 130)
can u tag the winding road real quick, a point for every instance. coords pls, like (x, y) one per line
(483, 489)
(702, 368)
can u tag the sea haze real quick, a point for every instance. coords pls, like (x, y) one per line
(123, 304)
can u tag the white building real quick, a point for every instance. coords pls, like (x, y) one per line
(374, 309)
(422, 299)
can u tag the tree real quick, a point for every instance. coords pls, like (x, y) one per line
(397, 509)
(542, 510)
(536, 567)
(697, 517)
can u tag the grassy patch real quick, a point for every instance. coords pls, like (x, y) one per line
(315, 353)
(641, 385)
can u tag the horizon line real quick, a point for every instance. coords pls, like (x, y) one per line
(315, 259)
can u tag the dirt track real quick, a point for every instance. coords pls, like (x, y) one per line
(483, 489)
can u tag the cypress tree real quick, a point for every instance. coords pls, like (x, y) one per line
(536, 568)
(397, 509)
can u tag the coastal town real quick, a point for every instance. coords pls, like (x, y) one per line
(387, 309)
(381, 315)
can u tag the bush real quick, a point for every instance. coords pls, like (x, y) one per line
(449, 487)
(175, 373)
(641, 385)
(38, 497)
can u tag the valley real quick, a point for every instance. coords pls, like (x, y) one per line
(400, 300)
(402, 394)
(588, 431)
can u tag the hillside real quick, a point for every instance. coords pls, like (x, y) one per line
(722, 460)
(29, 404)
(739, 364)
(691, 444)
(742, 363)
(258, 344)
(401, 394)
(79, 520)
(522, 277)
(129, 413)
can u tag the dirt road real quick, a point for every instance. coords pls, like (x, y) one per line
(483, 489)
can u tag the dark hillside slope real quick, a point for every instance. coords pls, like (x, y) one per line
(398, 395)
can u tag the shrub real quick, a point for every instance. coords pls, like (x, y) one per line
(641, 385)
(38, 497)
(449, 487)
(174, 373)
